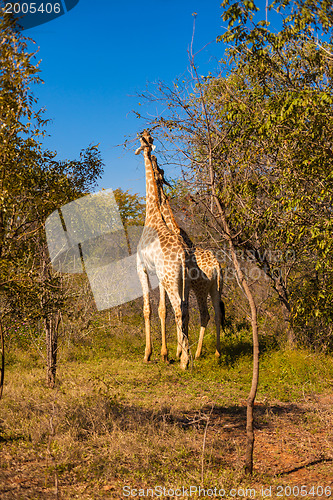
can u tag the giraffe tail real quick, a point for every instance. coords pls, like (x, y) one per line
(219, 276)
(183, 258)
(219, 287)
(222, 309)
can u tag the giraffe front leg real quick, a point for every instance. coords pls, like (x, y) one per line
(147, 316)
(185, 357)
(162, 315)
(146, 308)
(179, 343)
(182, 343)
(181, 316)
(200, 341)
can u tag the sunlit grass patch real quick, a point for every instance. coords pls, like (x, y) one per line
(290, 374)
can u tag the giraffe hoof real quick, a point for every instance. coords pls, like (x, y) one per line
(165, 358)
(197, 355)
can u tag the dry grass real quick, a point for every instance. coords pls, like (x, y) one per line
(113, 421)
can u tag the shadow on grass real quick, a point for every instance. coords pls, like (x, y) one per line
(11, 438)
(304, 466)
(233, 418)
(234, 347)
(230, 419)
(231, 352)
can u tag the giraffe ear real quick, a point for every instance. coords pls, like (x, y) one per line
(138, 151)
(153, 147)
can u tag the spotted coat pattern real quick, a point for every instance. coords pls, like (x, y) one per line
(166, 253)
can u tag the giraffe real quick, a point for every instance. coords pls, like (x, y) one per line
(205, 273)
(166, 253)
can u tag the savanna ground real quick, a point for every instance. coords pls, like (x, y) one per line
(112, 421)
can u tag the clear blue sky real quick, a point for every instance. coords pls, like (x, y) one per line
(98, 56)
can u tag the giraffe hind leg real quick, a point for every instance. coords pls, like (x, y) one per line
(162, 315)
(204, 319)
(219, 317)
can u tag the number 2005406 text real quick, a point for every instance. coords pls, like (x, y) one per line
(32, 8)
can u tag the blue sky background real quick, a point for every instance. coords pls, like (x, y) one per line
(97, 57)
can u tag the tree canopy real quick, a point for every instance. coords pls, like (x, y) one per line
(260, 131)
(32, 185)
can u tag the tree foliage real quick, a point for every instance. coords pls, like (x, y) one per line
(277, 101)
(32, 185)
(261, 131)
(131, 207)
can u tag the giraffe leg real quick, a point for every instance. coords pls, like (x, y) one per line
(179, 343)
(185, 357)
(147, 316)
(179, 335)
(216, 299)
(180, 308)
(162, 315)
(146, 309)
(204, 318)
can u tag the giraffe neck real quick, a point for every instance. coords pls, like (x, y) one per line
(167, 212)
(153, 213)
(169, 218)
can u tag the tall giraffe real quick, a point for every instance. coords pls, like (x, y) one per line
(205, 273)
(167, 254)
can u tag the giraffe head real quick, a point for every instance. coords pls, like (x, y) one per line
(146, 142)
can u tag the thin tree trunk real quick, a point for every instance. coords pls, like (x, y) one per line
(255, 369)
(2, 360)
(280, 289)
(51, 327)
(286, 308)
(254, 323)
(241, 278)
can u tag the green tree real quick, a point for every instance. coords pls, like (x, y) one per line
(267, 119)
(258, 138)
(277, 107)
(32, 186)
(131, 207)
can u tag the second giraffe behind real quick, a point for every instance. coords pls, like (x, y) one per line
(203, 271)
(205, 274)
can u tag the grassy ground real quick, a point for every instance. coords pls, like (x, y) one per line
(113, 422)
